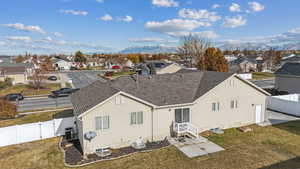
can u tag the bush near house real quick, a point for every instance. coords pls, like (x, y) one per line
(6, 83)
(7, 110)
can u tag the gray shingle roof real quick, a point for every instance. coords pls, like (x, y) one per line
(292, 69)
(159, 90)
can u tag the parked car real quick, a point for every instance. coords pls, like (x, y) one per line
(14, 97)
(63, 92)
(52, 78)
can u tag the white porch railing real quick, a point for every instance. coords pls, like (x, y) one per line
(181, 128)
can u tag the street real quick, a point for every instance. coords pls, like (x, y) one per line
(84, 78)
(43, 103)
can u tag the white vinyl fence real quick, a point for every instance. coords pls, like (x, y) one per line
(34, 131)
(289, 104)
(245, 76)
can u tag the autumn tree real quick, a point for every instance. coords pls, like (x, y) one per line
(20, 59)
(7, 109)
(38, 74)
(213, 60)
(80, 57)
(192, 48)
(134, 58)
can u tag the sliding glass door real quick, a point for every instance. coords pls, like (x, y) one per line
(182, 115)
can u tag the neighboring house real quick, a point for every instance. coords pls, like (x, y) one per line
(243, 65)
(162, 67)
(18, 74)
(290, 59)
(61, 64)
(152, 108)
(287, 78)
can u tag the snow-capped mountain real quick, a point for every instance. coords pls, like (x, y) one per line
(149, 49)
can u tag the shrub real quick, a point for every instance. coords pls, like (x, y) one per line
(6, 83)
(7, 110)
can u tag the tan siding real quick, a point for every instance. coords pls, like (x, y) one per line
(173, 68)
(120, 133)
(247, 97)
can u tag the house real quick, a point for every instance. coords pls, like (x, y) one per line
(287, 78)
(120, 111)
(61, 64)
(18, 74)
(243, 65)
(290, 59)
(162, 67)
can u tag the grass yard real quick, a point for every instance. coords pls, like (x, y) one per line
(275, 147)
(262, 75)
(33, 118)
(28, 91)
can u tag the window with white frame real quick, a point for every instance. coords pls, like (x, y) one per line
(233, 104)
(102, 122)
(231, 83)
(216, 106)
(120, 99)
(136, 118)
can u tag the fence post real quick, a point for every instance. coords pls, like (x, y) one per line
(17, 140)
(54, 133)
(40, 126)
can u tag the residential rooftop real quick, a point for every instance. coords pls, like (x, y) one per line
(158, 90)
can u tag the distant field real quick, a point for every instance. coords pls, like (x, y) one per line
(274, 147)
(262, 75)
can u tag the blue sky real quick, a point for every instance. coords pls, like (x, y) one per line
(63, 26)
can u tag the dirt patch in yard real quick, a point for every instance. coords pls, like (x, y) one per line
(74, 155)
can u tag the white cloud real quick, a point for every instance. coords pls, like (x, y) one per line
(106, 17)
(74, 12)
(296, 30)
(58, 34)
(175, 27)
(165, 3)
(206, 34)
(200, 14)
(100, 1)
(215, 6)
(19, 38)
(234, 21)
(145, 40)
(256, 7)
(29, 28)
(235, 7)
(127, 18)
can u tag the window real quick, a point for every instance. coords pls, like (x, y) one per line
(216, 106)
(231, 83)
(102, 122)
(120, 100)
(182, 115)
(136, 118)
(233, 104)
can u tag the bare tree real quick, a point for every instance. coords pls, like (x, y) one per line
(192, 48)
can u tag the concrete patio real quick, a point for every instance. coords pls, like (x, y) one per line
(277, 118)
(195, 147)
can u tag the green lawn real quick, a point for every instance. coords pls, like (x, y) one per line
(262, 75)
(276, 147)
(33, 118)
(26, 90)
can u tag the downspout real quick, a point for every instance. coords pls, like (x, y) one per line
(152, 125)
